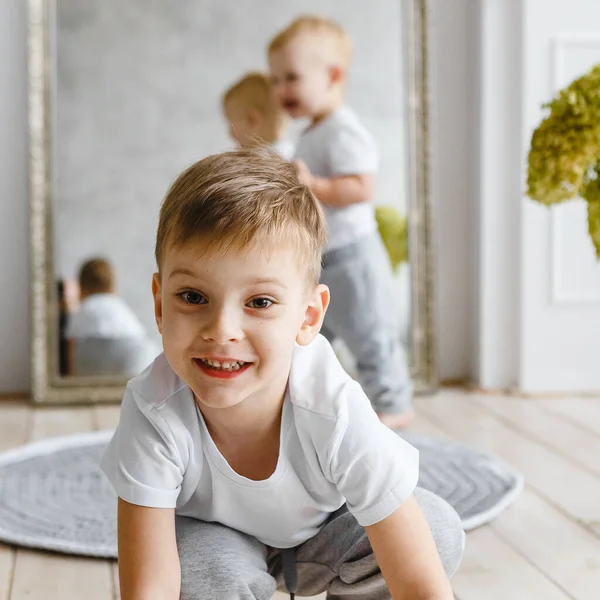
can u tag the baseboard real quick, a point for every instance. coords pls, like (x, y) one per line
(11, 396)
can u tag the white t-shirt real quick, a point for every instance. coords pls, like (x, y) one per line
(104, 316)
(285, 149)
(333, 449)
(340, 145)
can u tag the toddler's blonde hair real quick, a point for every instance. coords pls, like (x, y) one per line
(338, 41)
(253, 90)
(243, 199)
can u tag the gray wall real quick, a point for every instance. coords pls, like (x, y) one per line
(453, 41)
(139, 89)
(455, 131)
(14, 234)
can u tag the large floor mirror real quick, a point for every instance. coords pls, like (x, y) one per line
(122, 97)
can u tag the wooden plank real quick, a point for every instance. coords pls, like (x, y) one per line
(565, 552)
(424, 426)
(7, 562)
(106, 417)
(493, 570)
(583, 412)
(559, 547)
(46, 576)
(564, 484)
(14, 423)
(556, 432)
(59, 421)
(115, 581)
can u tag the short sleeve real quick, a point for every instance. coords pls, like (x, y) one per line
(373, 468)
(352, 151)
(142, 461)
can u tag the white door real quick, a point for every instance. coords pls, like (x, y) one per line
(560, 278)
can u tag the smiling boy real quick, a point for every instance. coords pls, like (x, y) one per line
(245, 456)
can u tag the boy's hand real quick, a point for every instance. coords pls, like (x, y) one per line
(303, 173)
(336, 192)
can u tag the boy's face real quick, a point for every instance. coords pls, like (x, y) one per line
(302, 82)
(229, 321)
(244, 124)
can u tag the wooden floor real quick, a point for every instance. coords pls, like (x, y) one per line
(546, 546)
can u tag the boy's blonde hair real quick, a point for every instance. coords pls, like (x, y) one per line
(96, 276)
(241, 199)
(338, 41)
(254, 91)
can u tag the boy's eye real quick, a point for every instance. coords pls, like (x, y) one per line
(260, 303)
(192, 297)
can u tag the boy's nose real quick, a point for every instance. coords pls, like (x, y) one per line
(278, 90)
(222, 327)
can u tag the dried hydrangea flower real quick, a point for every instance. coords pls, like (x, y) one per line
(564, 157)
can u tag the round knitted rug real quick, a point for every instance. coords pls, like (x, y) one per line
(53, 495)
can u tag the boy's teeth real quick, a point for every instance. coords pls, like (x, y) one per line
(226, 366)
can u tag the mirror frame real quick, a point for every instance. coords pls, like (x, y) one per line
(47, 386)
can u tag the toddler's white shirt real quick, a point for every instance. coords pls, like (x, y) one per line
(104, 316)
(285, 148)
(333, 450)
(340, 145)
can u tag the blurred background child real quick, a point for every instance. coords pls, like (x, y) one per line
(337, 158)
(254, 115)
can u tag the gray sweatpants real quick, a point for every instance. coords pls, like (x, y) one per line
(219, 563)
(362, 314)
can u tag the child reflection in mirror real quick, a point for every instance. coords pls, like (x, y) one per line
(105, 337)
(255, 117)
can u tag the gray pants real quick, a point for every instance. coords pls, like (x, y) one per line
(126, 357)
(361, 313)
(219, 563)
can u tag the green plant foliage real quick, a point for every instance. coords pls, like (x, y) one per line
(594, 224)
(393, 229)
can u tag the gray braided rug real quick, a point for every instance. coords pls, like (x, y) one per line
(53, 495)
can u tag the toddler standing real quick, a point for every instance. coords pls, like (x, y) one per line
(337, 158)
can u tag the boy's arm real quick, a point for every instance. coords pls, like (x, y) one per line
(407, 555)
(337, 192)
(148, 559)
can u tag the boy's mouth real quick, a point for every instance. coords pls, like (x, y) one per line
(291, 104)
(222, 369)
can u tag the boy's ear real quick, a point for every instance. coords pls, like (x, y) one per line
(157, 295)
(313, 317)
(253, 116)
(336, 74)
